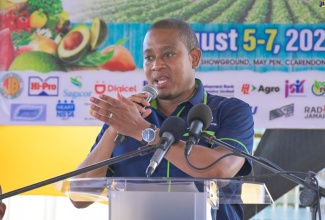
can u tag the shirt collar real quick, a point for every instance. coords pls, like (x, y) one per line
(196, 98)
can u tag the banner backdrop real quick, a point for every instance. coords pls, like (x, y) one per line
(56, 54)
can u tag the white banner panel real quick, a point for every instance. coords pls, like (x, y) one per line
(278, 99)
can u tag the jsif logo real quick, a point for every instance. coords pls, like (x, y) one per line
(322, 4)
(294, 88)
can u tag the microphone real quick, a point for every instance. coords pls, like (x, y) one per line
(199, 118)
(153, 93)
(170, 133)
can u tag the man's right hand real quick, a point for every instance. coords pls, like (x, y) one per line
(121, 114)
(142, 104)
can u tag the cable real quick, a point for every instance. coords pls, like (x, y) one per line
(207, 167)
(277, 170)
(276, 167)
(318, 198)
(274, 174)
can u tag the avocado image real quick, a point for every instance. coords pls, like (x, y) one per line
(75, 44)
(98, 33)
(37, 61)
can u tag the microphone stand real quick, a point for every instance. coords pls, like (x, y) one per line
(141, 151)
(308, 197)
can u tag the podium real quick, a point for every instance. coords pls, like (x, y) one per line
(164, 198)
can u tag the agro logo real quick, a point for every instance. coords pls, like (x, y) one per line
(28, 112)
(11, 85)
(247, 88)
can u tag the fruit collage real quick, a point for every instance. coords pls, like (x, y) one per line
(37, 35)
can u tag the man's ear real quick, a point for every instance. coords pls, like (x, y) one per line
(196, 54)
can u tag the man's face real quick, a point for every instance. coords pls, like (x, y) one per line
(168, 64)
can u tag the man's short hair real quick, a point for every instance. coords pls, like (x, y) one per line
(186, 33)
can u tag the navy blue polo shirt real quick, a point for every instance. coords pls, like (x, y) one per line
(232, 123)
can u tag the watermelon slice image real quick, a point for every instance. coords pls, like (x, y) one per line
(7, 50)
(23, 49)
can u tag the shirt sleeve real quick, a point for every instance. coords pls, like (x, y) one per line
(235, 126)
(99, 136)
(110, 169)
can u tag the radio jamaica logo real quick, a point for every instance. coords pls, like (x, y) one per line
(11, 85)
(315, 112)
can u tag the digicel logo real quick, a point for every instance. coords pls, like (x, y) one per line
(113, 88)
(101, 88)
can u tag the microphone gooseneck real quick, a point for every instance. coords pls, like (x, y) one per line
(171, 132)
(199, 118)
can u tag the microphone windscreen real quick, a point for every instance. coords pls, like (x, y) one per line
(174, 125)
(201, 112)
(151, 89)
